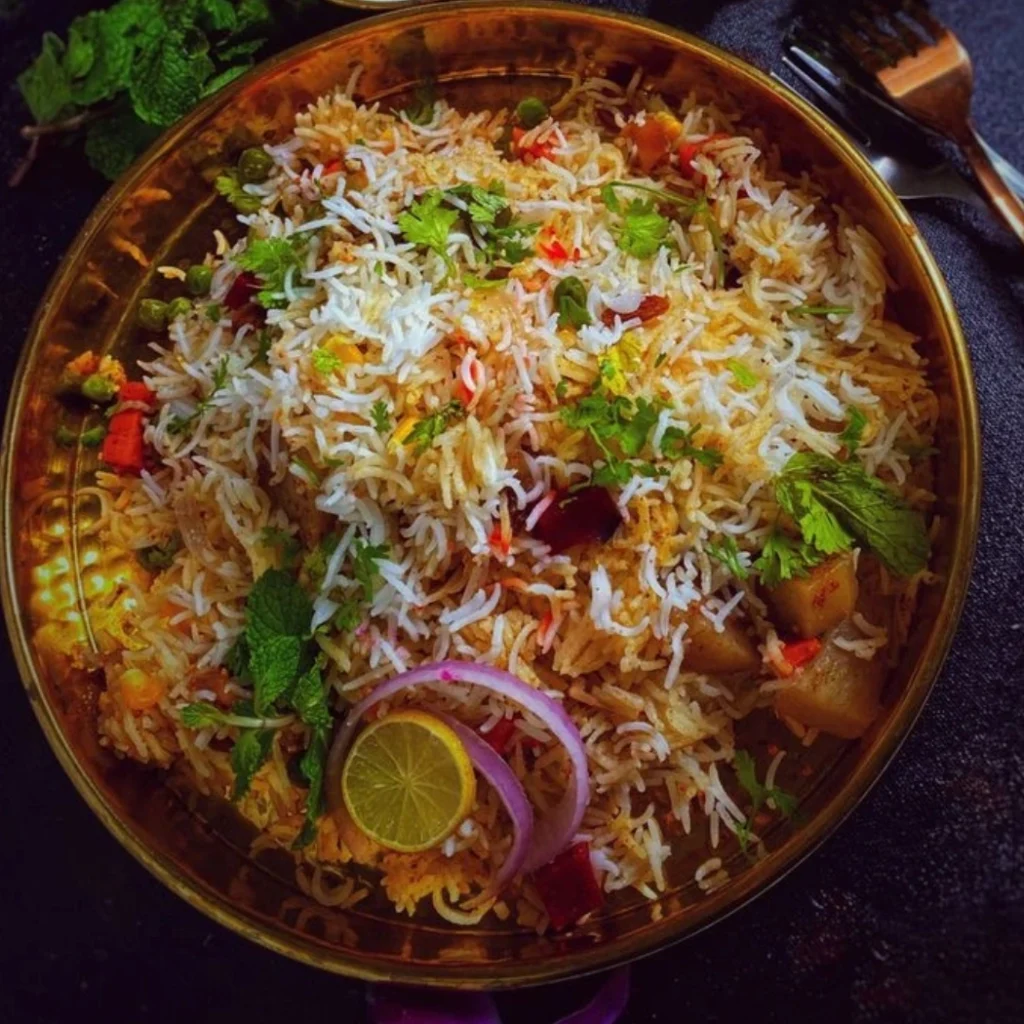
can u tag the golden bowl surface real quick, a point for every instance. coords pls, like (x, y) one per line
(479, 55)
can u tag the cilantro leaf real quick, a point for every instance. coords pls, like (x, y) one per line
(571, 302)
(45, 85)
(248, 755)
(727, 552)
(852, 433)
(364, 565)
(643, 230)
(234, 192)
(783, 558)
(678, 444)
(834, 502)
(428, 429)
(746, 774)
(428, 223)
(483, 205)
(275, 261)
(381, 415)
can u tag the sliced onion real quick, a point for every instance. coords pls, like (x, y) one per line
(555, 830)
(493, 767)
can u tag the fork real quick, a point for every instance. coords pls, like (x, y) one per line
(924, 70)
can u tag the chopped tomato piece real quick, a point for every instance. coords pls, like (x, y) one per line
(135, 391)
(332, 166)
(568, 886)
(580, 517)
(123, 447)
(536, 150)
(554, 250)
(799, 652)
(498, 541)
(651, 306)
(499, 737)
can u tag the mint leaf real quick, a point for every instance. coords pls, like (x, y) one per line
(853, 432)
(249, 754)
(168, 76)
(45, 85)
(312, 767)
(101, 47)
(274, 663)
(113, 142)
(276, 606)
(309, 699)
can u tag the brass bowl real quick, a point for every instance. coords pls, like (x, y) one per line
(53, 570)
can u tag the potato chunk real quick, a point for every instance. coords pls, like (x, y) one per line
(814, 604)
(836, 693)
(709, 651)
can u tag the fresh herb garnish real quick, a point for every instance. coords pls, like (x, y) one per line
(326, 362)
(234, 192)
(180, 424)
(428, 429)
(483, 283)
(275, 261)
(381, 415)
(429, 223)
(746, 774)
(421, 110)
(783, 558)
(364, 565)
(728, 553)
(248, 755)
(571, 302)
(160, 556)
(482, 204)
(677, 443)
(836, 504)
(643, 231)
(561, 389)
(853, 432)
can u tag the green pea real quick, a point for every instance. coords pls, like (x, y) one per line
(178, 307)
(152, 314)
(64, 437)
(99, 389)
(198, 279)
(93, 437)
(531, 112)
(254, 166)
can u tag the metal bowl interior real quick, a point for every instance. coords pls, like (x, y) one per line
(55, 573)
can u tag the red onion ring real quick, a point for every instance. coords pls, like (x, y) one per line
(552, 833)
(493, 767)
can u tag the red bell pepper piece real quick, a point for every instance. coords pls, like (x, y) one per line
(688, 150)
(651, 306)
(136, 391)
(123, 447)
(568, 886)
(331, 167)
(537, 150)
(500, 736)
(799, 652)
(554, 250)
(581, 517)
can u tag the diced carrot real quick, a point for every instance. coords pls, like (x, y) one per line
(135, 391)
(652, 139)
(689, 150)
(123, 447)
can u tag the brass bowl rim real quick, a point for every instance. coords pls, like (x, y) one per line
(741, 891)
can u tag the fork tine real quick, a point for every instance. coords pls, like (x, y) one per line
(890, 48)
(830, 102)
(911, 35)
(917, 13)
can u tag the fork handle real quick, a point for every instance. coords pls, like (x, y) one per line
(1004, 201)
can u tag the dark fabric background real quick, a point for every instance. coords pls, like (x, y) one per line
(914, 911)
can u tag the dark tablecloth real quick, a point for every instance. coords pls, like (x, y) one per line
(914, 910)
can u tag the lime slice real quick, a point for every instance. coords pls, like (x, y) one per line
(408, 781)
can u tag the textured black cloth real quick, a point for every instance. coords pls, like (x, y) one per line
(913, 911)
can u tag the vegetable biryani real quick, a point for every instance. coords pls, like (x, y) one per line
(499, 468)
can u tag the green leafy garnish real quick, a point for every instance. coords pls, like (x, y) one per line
(234, 192)
(248, 755)
(160, 556)
(852, 433)
(837, 503)
(821, 310)
(314, 565)
(429, 223)
(643, 230)
(746, 774)
(364, 565)
(561, 389)
(783, 558)
(678, 444)
(381, 415)
(421, 110)
(571, 302)
(743, 375)
(180, 424)
(202, 715)
(275, 261)
(129, 71)
(286, 544)
(428, 429)
(727, 552)
(620, 430)
(483, 205)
